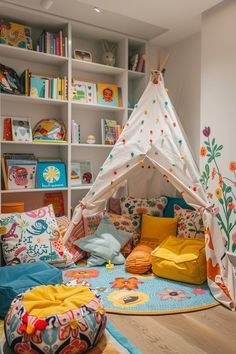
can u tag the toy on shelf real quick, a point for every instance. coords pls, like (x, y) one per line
(109, 265)
(83, 55)
(91, 139)
(51, 130)
(109, 57)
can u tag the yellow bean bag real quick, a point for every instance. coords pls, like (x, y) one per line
(180, 259)
(55, 319)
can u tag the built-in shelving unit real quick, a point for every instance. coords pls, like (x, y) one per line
(84, 37)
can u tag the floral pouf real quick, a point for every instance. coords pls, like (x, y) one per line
(55, 319)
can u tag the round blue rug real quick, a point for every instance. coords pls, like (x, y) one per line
(147, 294)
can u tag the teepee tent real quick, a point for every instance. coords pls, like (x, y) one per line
(153, 157)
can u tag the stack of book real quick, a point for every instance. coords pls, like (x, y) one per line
(75, 132)
(44, 86)
(111, 131)
(53, 43)
(136, 63)
(23, 171)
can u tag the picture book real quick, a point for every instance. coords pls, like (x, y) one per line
(21, 174)
(51, 175)
(56, 199)
(79, 91)
(7, 131)
(91, 93)
(108, 131)
(86, 172)
(75, 174)
(4, 175)
(15, 34)
(120, 98)
(75, 132)
(37, 87)
(107, 94)
(21, 129)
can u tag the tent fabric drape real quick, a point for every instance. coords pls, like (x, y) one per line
(153, 156)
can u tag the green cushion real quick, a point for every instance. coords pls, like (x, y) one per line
(105, 244)
(17, 279)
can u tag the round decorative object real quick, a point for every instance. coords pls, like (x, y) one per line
(91, 139)
(49, 130)
(55, 319)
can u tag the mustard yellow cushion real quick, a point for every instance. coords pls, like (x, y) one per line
(155, 229)
(180, 259)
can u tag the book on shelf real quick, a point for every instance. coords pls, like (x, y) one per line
(108, 127)
(56, 199)
(21, 129)
(51, 175)
(81, 173)
(7, 129)
(53, 43)
(136, 63)
(75, 132)
(44, 86)
(21, 174)
(15, 34)
(84, 92)
(107, 94)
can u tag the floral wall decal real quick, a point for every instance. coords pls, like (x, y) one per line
(220, 187)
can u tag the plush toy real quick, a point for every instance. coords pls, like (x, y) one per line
(108, 57)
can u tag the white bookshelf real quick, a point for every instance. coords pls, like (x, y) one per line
(84, 37)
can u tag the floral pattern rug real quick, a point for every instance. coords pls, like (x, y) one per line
(126, 293)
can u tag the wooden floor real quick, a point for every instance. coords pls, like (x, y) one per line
(209, 331)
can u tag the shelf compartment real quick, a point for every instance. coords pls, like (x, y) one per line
(31, 55)
(33, 190)
(80, 188)
(135, 74)
(96, 67)
(32, 143)
(22, 98)
(96, 107)
(92, 145)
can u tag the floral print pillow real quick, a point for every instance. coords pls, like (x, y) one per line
(135, 207)
(32, 236)
(124, 223)
(190, 223)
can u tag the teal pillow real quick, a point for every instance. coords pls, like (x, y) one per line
(104, 244)
(169, 209)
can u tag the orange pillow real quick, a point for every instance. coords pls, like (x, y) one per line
(139, 260)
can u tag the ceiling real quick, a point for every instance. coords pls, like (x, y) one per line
(163, 22)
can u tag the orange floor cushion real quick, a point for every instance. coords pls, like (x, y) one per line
(139, 260)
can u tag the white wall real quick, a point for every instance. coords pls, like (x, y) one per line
(183, 79)
(218, 105)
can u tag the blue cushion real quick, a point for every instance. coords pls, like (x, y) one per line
(105, 244)
(17, 279)
(169, 209)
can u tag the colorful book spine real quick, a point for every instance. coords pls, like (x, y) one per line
(7, 129)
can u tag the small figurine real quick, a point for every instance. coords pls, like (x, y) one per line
(109, 265)
(91, 139)
(109, 57)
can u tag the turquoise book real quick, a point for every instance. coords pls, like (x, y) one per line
(51, 174)
(37, 87)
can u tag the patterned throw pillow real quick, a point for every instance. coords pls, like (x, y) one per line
(63, 223)
(190, 223)
(92, 222)
(124, 223)
(33, 236)
(135, 207)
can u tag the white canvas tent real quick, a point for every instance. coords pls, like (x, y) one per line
(153, 156)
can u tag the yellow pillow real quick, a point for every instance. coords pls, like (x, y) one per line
(155, 229)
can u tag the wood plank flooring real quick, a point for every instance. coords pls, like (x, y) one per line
(211, 331)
